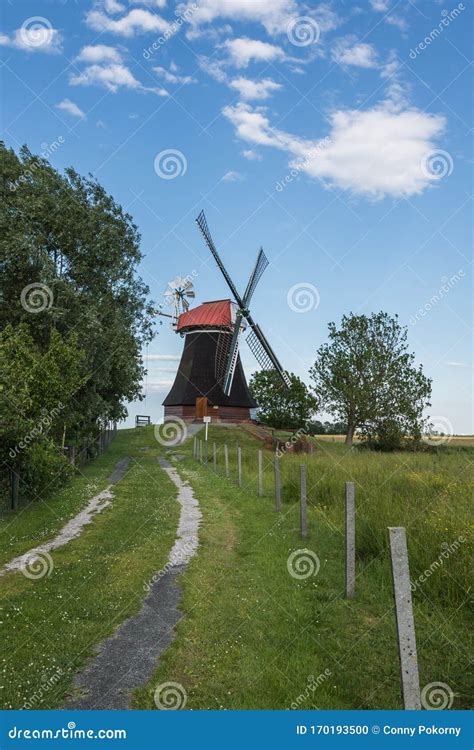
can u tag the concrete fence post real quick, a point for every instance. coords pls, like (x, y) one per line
(350, 540)
(276, 469)
(239, 465)
(410, 681)
(260, 473)
(226, 460)
(72, 455)
(303, 503)
(214, 456)
(205, 451)
(194, 447)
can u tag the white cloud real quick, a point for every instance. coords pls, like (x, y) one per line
(159, 385)
(113, 6)
(243, 50)
(381, 6)
(254, 89)
(97, 53)
(397, 21)
(376, 153)
(171, 76)
(135, 22)
(232, 176)
(34, 38)
(274, 15)
(161, 358)
(457, 364)
(68, 106)
(251, 154)
(360, 54)
(111, 77)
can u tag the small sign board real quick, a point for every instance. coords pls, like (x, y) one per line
(206, 421)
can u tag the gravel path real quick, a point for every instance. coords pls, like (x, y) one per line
(73, 528)
(127, 659)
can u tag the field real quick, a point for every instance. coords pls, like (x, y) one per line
(252, 636)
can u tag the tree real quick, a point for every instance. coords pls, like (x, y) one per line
(366, 377)
(282, 407)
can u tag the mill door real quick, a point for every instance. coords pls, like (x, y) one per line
(201, 407)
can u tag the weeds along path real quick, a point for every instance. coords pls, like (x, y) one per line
(109, 681)
(35, 558)
(53, 623)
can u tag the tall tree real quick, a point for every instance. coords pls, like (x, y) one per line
(367, 378)
(281, 407)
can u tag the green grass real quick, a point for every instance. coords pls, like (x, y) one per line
(52, 625)
(254, 637)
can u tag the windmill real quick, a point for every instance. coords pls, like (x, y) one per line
(256, 341)
(210, 380)
(177, 294)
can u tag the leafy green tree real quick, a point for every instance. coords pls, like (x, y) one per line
(282, 407)
(366, 377)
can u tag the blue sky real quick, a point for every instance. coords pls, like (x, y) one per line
(337, 135)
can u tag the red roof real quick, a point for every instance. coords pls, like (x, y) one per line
(208, 315)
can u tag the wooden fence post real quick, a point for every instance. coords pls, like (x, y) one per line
(226, 460)
(410, 680)
(303, 503)
(260, 473)
(350, 540)
(15, 488)
(214, 456)
(239, 465)
(276, 468)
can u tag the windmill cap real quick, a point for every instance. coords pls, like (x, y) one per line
(218, 314)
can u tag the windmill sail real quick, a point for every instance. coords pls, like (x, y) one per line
(263, 352)
(260, 266)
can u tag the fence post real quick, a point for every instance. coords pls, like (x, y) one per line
(200, 451)
(72, 454)
(15, 486)
(214, 456)
(276, 467)
(194, 447)
(410, 680)
(303, 503)
(350, 540)
(226, 460)
(205, 451)
(239, 465)
(260, 473)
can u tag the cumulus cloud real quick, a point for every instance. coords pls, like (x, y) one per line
(349, 52)
(97, 53)
(37, 37)
(112, 77)
(137, 21)
(381, 6)
(251, 154)
(232, 176)
(242, 51)
(249, 89)
(68, 106)
(161, 358)
(274, 15)
(375, 153)
(172, 75)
